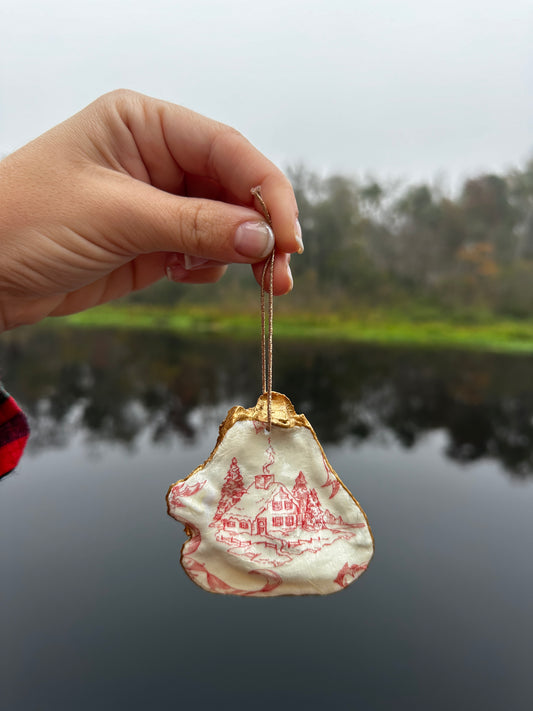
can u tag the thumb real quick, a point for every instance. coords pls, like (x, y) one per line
(151, 220)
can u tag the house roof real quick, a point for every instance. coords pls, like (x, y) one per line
(254, 500)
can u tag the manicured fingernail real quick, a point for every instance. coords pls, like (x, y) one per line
(254, 239)
(290, 277)
(298, 235)
(191, 262)
(174, 268)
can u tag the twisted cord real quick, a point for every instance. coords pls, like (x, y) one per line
(266, 333)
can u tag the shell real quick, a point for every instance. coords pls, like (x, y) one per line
(266, 514)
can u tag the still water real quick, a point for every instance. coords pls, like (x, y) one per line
(96, 613)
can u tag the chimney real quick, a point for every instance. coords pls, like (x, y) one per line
(263, 481)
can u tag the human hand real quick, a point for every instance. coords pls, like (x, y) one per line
(126, 191)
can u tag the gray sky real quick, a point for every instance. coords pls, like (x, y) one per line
(404, 88)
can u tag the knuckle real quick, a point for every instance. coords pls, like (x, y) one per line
(196, 223)
(225, 135)
(116, 102)
(118, 97)
(191, 226)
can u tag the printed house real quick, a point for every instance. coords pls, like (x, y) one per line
(266, 507)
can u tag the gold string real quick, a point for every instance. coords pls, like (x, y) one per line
(266, 339)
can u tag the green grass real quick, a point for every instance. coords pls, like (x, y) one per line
(368, 326)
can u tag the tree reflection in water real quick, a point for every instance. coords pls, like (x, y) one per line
(115, 385)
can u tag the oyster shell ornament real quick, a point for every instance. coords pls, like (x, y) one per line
(266, 515)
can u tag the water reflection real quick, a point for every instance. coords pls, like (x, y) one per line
(114, 386)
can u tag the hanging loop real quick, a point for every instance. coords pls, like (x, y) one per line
(266, 332)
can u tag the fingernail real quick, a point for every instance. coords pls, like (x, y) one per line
(191, 262)
(298, 236)
(174, 268)
(254, 239)
(290, 277)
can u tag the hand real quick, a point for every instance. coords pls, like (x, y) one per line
(127, 191)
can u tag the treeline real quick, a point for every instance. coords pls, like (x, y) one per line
(384, 243)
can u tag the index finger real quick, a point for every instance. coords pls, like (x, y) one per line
(203, 147)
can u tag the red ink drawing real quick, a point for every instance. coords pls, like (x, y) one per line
(331, 480)
(271, 523)
(349, 573)
(283, 526)
(200, 574)
(232, 490)
(182, 489)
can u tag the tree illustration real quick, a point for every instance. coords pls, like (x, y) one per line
(300, 490)
(314, 515)
(300, 493)
(300, 485)
(232, 489)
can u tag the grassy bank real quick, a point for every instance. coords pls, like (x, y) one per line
(370, 326)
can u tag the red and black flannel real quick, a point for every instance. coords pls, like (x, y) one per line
(14, 432)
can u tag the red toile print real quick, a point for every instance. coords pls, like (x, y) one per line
(331, 479)
(181, 489)
(271, 523)
(267, 507)
(348, 573)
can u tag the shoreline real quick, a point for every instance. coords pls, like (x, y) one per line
(378, 327)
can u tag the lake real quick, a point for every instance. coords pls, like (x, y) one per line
(96, 612)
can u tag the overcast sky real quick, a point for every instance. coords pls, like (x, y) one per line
(404, 88)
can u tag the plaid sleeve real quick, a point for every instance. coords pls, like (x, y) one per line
(14, 432)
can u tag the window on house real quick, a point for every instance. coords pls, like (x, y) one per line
(277, 521)
(230, 524)
(243, 524)
(289, 520)
(288, 504)
(276, 505)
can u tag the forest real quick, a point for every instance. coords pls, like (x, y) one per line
(391, 244)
